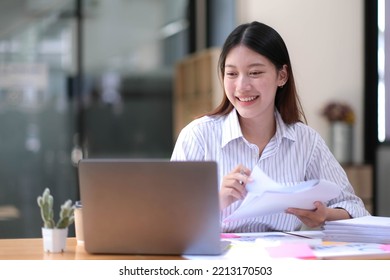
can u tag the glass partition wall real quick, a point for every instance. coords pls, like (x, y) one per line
(129, 51)
(80, 79)
(36, 125)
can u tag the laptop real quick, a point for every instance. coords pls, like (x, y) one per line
(159, 207)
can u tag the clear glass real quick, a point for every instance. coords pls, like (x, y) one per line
(128, 52)
(130, 49)
(36, 115)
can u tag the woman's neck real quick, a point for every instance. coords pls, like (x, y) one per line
(258, 132)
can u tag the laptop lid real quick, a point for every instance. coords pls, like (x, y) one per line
(149, 207)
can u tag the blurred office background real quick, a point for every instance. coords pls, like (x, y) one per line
(96, 78)
(85, 78)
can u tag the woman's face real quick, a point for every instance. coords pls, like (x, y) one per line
(250, 82)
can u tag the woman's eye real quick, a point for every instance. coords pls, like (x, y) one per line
(231, 74)
(255, 73)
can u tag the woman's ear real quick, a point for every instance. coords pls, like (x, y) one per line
(283, 75)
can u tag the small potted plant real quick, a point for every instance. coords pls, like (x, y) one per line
(54, 234)
(339, 112)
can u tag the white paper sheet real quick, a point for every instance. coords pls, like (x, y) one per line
(265, 196)
(368, 229)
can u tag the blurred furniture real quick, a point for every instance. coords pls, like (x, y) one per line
(382, 192)
(361, 178)
(197, 87)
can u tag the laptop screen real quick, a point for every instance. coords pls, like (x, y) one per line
(149, 206)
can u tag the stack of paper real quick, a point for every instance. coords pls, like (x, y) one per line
(266, 196)
(370, 229)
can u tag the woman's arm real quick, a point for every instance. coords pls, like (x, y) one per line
(318, 216)
(323, 165)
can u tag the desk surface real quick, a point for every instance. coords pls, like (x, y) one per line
(32, 249)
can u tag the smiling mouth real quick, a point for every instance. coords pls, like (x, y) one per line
(247, 99)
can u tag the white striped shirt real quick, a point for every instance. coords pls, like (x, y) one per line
(295, 153)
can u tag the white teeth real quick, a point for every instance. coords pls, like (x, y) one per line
(247, 99)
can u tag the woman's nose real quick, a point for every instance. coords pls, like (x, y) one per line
(243, 83)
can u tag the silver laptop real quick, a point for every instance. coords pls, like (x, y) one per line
(150, 207)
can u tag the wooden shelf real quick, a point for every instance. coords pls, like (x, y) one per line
(361, 178)
(197, 87)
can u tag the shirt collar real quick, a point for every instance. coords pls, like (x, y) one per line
(282, 129)
(231, 129)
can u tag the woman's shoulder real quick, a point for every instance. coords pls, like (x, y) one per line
(297, 130)
(205, 123)
(202, 127)
(303, 130)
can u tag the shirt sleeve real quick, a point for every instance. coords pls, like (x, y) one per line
(188, 145)
(324, 165)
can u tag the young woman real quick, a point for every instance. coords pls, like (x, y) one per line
(261, 122)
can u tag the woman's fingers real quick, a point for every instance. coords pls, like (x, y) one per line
(233, 185)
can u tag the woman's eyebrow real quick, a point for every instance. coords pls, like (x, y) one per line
(256, 64)
(250, 65)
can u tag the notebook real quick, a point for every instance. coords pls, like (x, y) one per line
(150, 207)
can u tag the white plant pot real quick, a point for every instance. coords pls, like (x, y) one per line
(54, 239)
(342, 141)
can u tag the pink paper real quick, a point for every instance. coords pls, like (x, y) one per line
(300, 251)
(229, 235)
(385, 247)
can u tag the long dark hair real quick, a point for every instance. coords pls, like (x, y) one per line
(264, 40)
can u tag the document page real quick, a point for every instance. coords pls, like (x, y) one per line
(265, 196)
(368, 229)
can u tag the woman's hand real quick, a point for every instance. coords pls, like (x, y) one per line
(318, 216)
(233, 186)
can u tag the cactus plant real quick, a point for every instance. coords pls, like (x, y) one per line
(45, 203)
